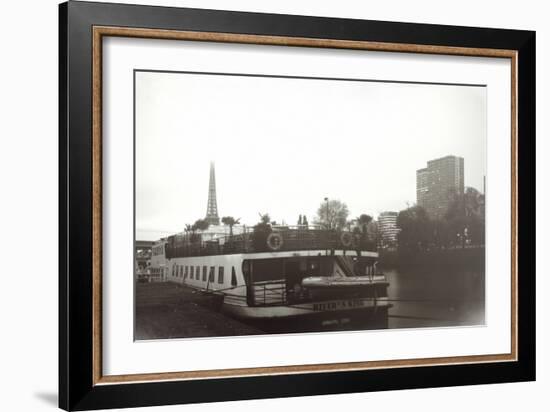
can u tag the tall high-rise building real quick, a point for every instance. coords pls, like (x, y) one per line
(438, 184)
(387, 229)
(212, 206)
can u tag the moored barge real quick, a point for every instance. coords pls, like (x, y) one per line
(286, 273)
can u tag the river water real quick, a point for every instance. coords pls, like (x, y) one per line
(422, 296)
(435, 297)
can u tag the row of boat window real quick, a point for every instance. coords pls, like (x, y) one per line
(194, 272)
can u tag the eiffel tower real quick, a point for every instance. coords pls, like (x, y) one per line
(212, 207)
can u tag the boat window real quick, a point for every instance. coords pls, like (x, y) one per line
(192, 274)
(267, 269)
(220, 274)
(198, 272)
(181, 271)
(173, 271)
(211, 274)
(233, 276)
(186, 272)
(204, 270)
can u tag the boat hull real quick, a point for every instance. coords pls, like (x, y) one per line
(315, 316)
(305, 309)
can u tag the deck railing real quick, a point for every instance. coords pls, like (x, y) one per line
(273, 240)
(269, 293)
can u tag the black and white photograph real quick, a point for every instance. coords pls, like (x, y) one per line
(270, 204)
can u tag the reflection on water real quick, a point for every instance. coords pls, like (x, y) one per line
(428, 297)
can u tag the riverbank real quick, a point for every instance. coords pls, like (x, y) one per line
(168, 310)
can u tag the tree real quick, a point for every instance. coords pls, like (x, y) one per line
(416, 229)
(260, 233)
(465, 218)
(200, 224)
(332, 214)
(372, 233)
(230, 221)
(190, 232)
(363, 222)
(472, 202)
(463, 222)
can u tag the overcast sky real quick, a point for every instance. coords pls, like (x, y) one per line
(282, 145)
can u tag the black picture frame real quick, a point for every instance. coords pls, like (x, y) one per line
(77, 390)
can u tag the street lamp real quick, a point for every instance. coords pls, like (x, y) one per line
(328, 221)
(328, 228)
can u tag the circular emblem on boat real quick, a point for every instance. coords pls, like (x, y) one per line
(346, 239)
(274, 241)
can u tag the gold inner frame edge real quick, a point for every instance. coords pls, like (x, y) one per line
(98, 32)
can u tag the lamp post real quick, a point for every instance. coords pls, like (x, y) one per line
(328, 221)
(328, 228)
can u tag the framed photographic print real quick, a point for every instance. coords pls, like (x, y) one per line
(257, 205)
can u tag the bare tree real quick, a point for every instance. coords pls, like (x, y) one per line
(332, 214)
